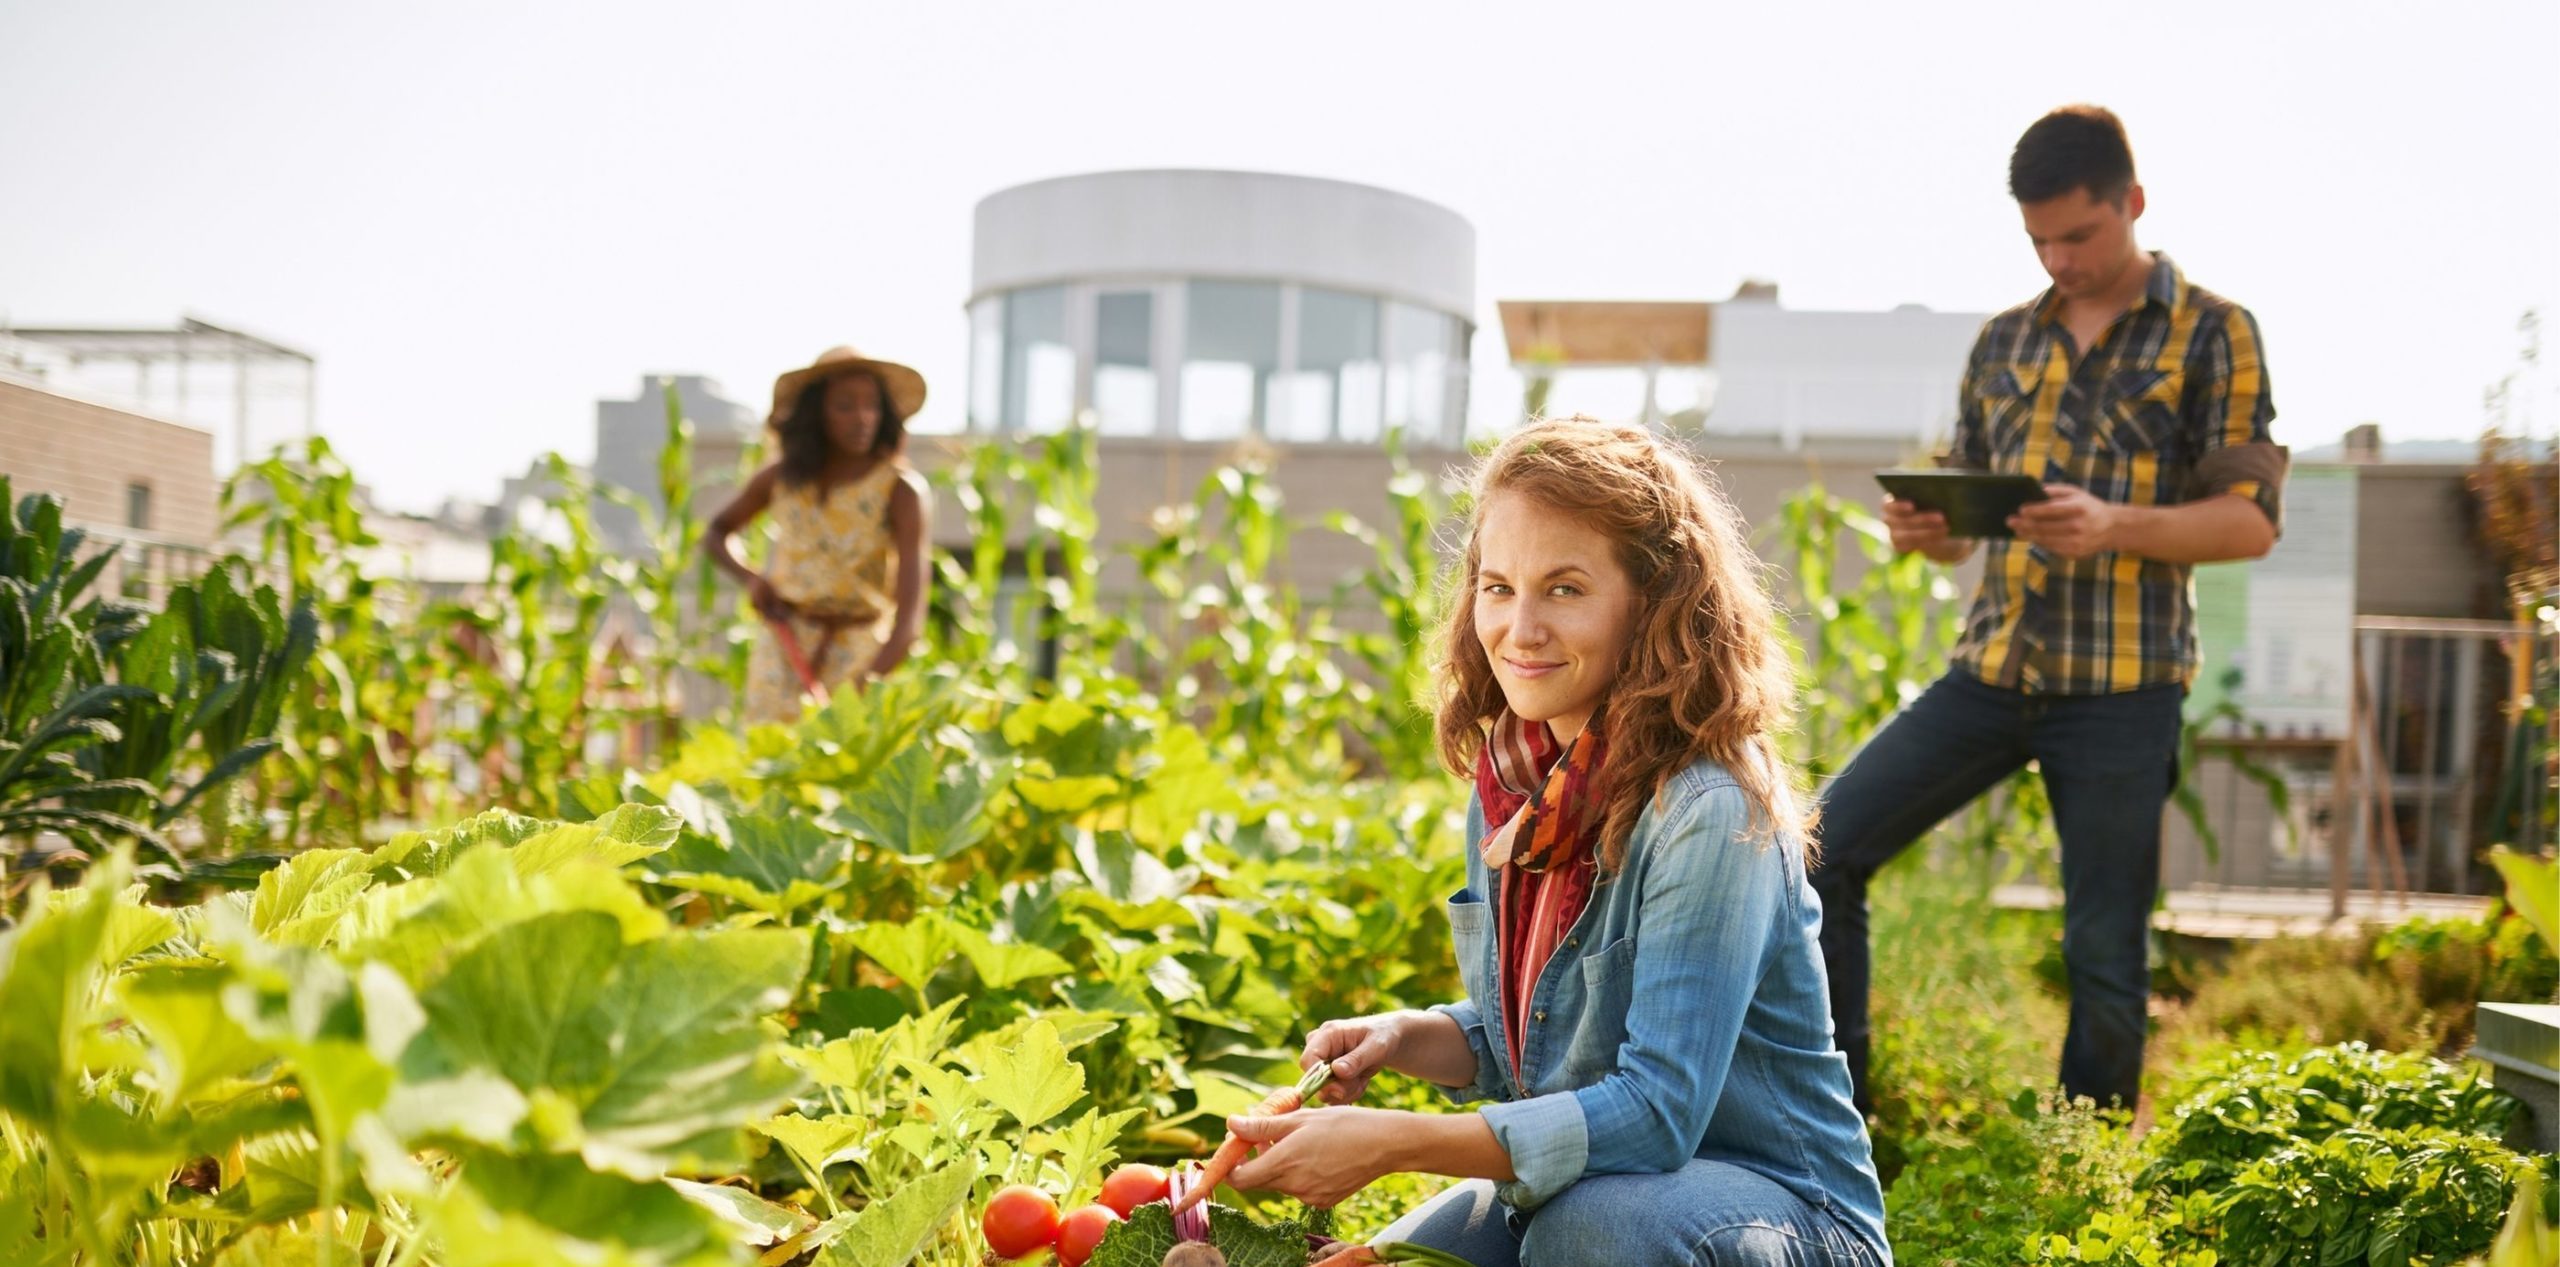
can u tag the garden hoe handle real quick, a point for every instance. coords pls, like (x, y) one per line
(797, 658)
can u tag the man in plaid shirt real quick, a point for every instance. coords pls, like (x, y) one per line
(2139, 399)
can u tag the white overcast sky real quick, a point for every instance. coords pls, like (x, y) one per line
(483, 217)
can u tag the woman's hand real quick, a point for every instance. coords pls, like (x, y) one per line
(1319, 1156)
(768, 604)
(1359, 1047)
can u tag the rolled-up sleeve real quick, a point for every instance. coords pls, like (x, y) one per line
(1710, 902)
(1488, 1083)
(2231, 418)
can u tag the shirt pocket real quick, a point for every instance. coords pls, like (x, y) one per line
(2005, 396)
(1471, 931)
(2141, 413)
(1608, 978)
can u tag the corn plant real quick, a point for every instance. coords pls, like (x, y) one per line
(1865, 648)
(352, 743)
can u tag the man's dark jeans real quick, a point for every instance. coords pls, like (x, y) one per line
(2109, 763)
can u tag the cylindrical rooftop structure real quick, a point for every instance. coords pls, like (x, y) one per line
(1210, 305)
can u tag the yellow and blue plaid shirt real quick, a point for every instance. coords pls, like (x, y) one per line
(2170, 406)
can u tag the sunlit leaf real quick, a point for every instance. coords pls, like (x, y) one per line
(749, 1217)
(770, 863)
(1034, 1080)
(1088, 1144)
(924, 803)
(194, 1041)
(891, 1232)
(911, 951)
(1004, 964)
(656, 1046)
(817, 1142)
(48, 976)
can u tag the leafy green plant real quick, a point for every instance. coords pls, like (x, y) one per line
(55, 699)
(217, 663)
(2033, 1169)
(2246, 1106)
(1867, 647)
(2384, 1197)
(114, 721)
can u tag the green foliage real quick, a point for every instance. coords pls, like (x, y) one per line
(1958, 1027)
(1872, 630)
(2385, 1197)
(2025, 1172)
(479, 1033)
(2411, 987)
(2248, 1105)
(1069, 887)
(114, 721)
(2533, 890)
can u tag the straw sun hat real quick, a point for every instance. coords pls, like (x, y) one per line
(904, 386)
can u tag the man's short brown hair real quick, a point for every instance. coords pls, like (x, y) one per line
(2075, 147)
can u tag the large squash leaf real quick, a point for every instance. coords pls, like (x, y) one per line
(768, 863)
(49, 970)
(656, 1046)
(924, 803)
(891, 1232)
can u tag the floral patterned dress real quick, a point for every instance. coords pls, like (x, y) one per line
(835, 561)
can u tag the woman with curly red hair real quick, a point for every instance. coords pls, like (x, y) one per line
(1645, 1008)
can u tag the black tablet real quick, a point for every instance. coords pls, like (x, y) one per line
(1976, 503)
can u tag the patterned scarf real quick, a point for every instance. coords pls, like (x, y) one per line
(1543, 796)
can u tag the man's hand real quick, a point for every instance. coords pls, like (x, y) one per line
(1923, 530)
(2070, 523)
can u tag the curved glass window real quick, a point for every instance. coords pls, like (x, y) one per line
(1231, 348)
(1039, 364)
(986, 364)
(1426, 373)
(1124, 362)
(1332, 392)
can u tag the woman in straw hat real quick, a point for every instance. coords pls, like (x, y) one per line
(843, 593)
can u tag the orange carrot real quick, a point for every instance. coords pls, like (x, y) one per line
(1231, 1153)
(1354, 1255)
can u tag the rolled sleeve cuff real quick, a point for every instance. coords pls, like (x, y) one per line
(1549, 1143)
(1488, 1083)
(2253, 471)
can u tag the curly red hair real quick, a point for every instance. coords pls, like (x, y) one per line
(1704, 676)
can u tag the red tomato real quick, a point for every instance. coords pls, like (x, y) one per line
(1019, 1220)
(1132, 1186)
(1080, 1231)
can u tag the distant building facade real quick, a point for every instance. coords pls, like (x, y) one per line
(632, 434)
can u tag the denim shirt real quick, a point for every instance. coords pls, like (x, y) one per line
(1684, 1015)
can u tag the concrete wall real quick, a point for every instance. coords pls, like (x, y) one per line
(1791, 374)
(1225, 224)
(2415, 554)
(88, 453)
(630, 434)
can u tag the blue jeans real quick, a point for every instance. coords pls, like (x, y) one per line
(2109, 763)
(1705, 1214)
